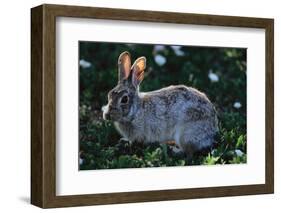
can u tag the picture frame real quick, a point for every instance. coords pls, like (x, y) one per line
(43, 105)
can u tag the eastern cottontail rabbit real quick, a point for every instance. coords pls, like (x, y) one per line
(175, 113)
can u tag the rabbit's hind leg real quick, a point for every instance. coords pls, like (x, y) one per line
(194, 141)
(189, 149)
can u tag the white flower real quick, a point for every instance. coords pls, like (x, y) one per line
(237, 105)
(213, 76)
(158, 48)
(81, 161)
(84, 64)
(160, 60)
(177, 50)
(239, 153)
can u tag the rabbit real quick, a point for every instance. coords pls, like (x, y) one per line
(177, 113)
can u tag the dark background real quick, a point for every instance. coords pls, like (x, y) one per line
(218, 72)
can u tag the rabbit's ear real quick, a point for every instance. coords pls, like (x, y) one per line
(138, 71)
(124, 65)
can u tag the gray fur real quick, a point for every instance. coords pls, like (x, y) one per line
(175, 113)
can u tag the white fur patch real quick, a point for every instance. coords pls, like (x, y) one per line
(104, 110)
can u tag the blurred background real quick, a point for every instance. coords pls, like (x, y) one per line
(218, 72)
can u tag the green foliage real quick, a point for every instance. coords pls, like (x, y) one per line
(101, 147)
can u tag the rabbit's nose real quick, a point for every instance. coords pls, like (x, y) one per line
(106, 116)
(104, 108)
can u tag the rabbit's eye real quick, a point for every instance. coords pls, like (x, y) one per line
(124, 99)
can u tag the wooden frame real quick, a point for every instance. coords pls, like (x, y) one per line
(43, 120)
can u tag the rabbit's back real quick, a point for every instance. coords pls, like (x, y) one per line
(178, 103)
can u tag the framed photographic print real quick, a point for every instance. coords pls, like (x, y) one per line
(135, 106)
